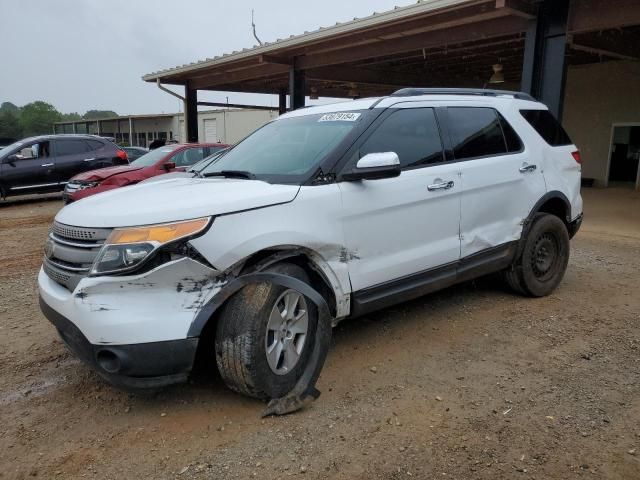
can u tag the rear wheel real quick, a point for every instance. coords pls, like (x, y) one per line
(265, 336)
(543, 261)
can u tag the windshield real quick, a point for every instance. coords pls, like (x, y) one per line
(7, 150)
(153, 156)
(206, 161)
(287, 150)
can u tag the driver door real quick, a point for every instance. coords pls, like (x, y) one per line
(30, 168)
(401, 233)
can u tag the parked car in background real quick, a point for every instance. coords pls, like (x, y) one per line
(156, 162)
(135, 153)
(45, 163)
(192, 172)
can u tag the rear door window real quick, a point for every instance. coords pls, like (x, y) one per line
(547, 127)
(94, 144)
(71, 147)
(412, 133)
(475, 132)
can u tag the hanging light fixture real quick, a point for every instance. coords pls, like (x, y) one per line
(313, 94)
(498, 75)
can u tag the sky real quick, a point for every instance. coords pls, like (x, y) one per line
(91, 54)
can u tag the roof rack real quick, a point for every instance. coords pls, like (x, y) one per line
(413, 92)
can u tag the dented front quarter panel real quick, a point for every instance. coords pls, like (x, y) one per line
(310, 224)
(155, 306)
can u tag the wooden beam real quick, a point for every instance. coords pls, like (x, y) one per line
(261, 71)
(366, 76)
(467, 33)
(236, 105)
(275, 59)
(602, 52)
(518, 8)
(595, 15)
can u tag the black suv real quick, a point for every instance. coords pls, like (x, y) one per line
(45, 163)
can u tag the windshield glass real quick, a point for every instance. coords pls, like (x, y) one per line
(153, 156)
(287, 150)
(206, 161)
(9, 149)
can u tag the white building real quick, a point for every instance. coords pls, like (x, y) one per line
(224, 126)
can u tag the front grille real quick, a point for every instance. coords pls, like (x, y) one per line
(70, 252)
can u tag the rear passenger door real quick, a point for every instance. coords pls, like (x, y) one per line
(73, 155)
(398, 229)
(500, 181)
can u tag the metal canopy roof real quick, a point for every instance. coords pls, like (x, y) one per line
(430, 43)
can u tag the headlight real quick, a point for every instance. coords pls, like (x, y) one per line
(127, 248)
(84, 186)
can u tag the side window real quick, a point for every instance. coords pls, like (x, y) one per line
(71, 147)
(188, 157)
(475, 132)
(547, 127)
(412, 134)
(514, 144)
(35, 150)
(94, 144)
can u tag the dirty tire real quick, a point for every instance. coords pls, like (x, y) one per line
(240, 339)
(544, 258)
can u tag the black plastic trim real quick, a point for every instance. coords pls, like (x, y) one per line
(144, 365)
(428, 281)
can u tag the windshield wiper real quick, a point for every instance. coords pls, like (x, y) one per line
(230, 174)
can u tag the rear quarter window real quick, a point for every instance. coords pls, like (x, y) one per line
(547, 127)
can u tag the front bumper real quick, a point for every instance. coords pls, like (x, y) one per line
(574, 226)
(136, 366)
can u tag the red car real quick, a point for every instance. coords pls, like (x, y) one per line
(175, 157)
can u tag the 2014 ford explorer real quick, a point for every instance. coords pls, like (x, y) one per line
(325, 213)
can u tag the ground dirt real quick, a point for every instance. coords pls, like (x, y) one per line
(470, 383)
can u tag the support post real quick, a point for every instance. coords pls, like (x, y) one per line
(544, 68)
(296, 87)
(98, 125)
(130, 131)
(191, 114)
(282, 101)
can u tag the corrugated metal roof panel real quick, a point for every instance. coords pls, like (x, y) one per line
(398, 13)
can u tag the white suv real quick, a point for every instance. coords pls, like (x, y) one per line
(325, 213)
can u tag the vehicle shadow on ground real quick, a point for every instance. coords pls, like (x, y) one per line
(30, 199)
(206, 386)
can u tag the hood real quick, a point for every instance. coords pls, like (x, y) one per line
(103, 173)
(173, 200)
(169, 176)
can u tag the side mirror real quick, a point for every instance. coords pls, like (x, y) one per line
(374, 166)
(168, 166)
(11, 159)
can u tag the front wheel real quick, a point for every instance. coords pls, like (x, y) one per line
(543, 261)
(264, 337)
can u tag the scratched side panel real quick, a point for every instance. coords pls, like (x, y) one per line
(311, 222)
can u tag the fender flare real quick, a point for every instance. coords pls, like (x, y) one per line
(555, 194)
(304, 391)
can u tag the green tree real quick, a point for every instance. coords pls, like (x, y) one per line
(10, 107)
(38, 117)
(71, 117)
(10, 128)
(97, 114)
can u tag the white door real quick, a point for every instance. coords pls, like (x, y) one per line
(400, 226)
(500, 181)
(210, 130)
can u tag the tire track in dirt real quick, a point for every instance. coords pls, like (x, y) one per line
(32, 221)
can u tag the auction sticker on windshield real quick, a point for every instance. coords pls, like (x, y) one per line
(339, 117)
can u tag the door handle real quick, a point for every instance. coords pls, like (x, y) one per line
(47, 165)
(89, 159)
(527, 168)
(440, 185)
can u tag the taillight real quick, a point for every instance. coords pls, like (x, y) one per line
(122, 155)
(576, 157)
